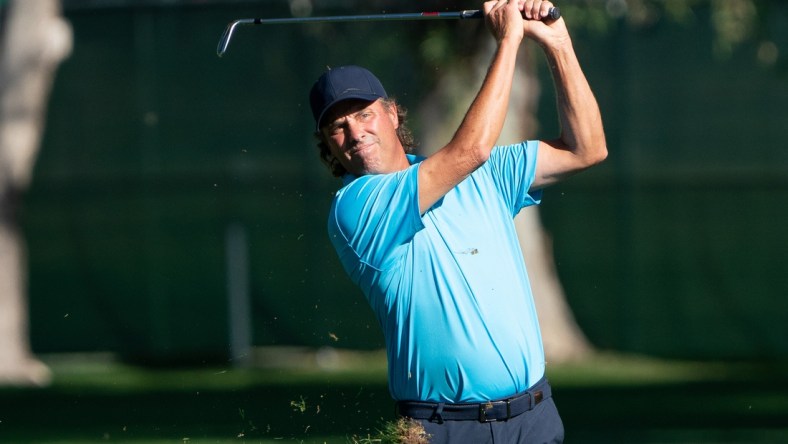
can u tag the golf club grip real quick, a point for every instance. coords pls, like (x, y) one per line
(554, 13)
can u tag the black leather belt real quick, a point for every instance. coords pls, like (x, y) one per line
(498, 410)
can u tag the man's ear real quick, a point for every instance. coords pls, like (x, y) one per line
(391, 109)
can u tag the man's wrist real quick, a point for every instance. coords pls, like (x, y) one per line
(509, 42)
(558, 47)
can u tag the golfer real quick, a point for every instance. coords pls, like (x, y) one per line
(432, 244)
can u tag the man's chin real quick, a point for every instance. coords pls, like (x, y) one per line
(370, 169)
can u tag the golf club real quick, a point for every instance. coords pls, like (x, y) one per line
(224, 41)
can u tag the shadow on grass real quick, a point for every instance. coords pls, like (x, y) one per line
(116, 403)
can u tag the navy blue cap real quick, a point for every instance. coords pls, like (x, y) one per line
(343, 83)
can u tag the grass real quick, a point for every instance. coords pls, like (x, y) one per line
(341, 397)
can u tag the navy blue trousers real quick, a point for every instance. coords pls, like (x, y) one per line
(541, 425)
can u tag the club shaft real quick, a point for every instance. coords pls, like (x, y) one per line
(224, 41)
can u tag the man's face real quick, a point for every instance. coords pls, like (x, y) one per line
(362, 135)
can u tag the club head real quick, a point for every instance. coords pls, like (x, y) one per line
(224, 41)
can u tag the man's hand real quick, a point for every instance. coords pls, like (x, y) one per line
(533, 16)
(504, 20)
(538, 25)
(534, 9)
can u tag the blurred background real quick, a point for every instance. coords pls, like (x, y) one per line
(175, 227)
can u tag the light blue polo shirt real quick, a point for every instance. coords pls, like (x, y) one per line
(449, 287)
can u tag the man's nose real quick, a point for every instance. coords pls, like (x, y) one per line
(355, 131)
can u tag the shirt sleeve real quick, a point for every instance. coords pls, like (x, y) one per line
(372, 218)
(513, 168)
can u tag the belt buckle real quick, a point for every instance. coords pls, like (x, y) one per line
(489, 405)
(537, 397)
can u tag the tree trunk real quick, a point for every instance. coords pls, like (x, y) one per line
(444, 109)
(34, 41)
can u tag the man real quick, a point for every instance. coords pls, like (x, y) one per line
(431, 242)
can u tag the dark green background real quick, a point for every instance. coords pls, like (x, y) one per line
(155, 146)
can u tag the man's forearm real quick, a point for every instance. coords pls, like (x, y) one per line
(484, 120)
(473, 141)
(581, 122)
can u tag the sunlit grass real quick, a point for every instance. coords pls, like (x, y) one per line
(274, 367)
(638, 370)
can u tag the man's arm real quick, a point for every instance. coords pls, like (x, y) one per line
(582, 140)
(471, 145)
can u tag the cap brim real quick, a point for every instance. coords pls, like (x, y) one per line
(349, 96)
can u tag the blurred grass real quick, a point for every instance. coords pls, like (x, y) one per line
(306, 396)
